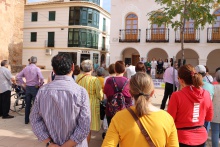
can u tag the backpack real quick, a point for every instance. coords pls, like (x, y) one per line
(118, 101)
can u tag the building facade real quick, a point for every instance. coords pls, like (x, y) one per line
(134, 37)
(11, 32)
(80, 28)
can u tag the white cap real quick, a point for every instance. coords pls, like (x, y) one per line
(200, 69)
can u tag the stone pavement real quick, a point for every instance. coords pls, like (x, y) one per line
(14, 133)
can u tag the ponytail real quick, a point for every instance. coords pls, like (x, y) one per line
(141, 106)
(188, 74)
(141, 88)
(197, 80)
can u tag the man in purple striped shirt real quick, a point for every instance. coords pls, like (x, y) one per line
(61, 112)
(34, 80)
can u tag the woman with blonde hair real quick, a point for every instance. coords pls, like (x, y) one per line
(94, 89)
(190, 108)
(158, 123)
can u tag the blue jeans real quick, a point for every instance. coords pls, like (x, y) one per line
(215, 133)
(207, 126)
(31, 92)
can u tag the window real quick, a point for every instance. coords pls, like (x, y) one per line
(131, 22)
(33, 36)
(217, 20)
(104, 25)
(103, 43)
(50, 41)
(74, 16)
(83, 38)
(84, 16)
(34, 16)
(52, 15)
(131, 26)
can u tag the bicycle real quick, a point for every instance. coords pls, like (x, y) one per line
(19, 95)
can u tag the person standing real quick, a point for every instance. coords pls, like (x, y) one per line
(190, 108)
(207, 86)
(94, 89)
(215, 123)
(169, 80)
(5, 90)
(116, 84)
(61, 112)
(148, 66)
(165, 64)
(159, 68)
(130, 71)
(158, 123)
(153, 68)
(34, 79)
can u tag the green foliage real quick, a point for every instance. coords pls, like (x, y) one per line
(172, 12)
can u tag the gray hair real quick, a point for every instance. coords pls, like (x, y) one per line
(100, 71)
(87, 65)
(33, 59)
(217, 76)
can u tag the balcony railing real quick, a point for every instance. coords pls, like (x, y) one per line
(213, 35)
(129, 35)
(49, 43)
(191, 35)
(157, 35)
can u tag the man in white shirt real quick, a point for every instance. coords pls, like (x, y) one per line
(153, 68)
(130, 71)
(6, 79)
(169, 80)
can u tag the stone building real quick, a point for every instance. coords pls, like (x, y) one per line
(134, 37)
(11, 32)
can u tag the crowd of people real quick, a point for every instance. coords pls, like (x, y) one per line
(67, 108)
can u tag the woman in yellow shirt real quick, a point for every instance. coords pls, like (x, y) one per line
(159, 124)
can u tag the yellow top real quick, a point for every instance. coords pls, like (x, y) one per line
(101, 79)
(125, 131)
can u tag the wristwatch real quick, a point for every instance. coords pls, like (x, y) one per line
(51, 141)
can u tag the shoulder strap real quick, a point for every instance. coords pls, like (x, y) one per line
(116, 86)
(81, 78)
(208, 79)
(143, 131)
(124, 85)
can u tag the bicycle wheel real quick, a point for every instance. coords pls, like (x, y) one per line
(19, 106)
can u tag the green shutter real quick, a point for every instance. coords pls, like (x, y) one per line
(34, 16)
(52, 15)
(50, 41)
(33, 36)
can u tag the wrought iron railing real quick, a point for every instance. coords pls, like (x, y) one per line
(157, 35)
(129, 35)
(213, 35)
(191, 35)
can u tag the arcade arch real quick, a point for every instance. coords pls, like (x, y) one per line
(130, 55)
(157, 53)
(190, 56)
(213, 61)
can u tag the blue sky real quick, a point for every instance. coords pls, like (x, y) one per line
(106, 4)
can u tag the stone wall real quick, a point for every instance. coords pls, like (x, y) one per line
(11, 32)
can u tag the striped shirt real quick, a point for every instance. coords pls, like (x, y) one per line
(5, 78)
(61, 111)
(32, 75)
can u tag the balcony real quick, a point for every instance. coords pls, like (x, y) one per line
(49, 43)
(129, 35)
(213, 35)
(191, 35)
(157, 35)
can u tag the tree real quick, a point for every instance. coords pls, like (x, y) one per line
(177, 12)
